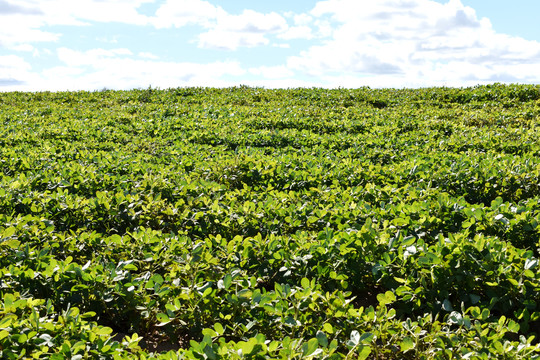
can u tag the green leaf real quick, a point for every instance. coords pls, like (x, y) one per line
(386, 298)
(429, 259)
(328, 328)
(88, 314)
(366, 337)
(102, 330)
(322, 338)
(22, 338)
(219, 328)
(475, 299)
(130, 267)
(310, 347)
(273, 346)
(513, 281)
(402, 290)
(207, 292)
(209, 352)
(400, 222)
(245, 294)
(363, 352)
(474, 311)
(247, 347)
(8, 232)
(163, 319)
(468, 223)
(157, 279)
(513, 326)
(4, 334)
(496, 344)
(227, 281)
(149, 284)
(12, 243)
(6, 321)
(209, 332)
(406, 344)
(447, 305)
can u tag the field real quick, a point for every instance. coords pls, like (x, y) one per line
(197, 223)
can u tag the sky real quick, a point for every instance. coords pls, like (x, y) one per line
(57, 45)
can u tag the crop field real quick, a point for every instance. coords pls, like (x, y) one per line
(247, 223)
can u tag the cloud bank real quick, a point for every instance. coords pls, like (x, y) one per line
(415, 43)
(347, 43)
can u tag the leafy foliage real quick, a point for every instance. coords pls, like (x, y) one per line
(253, 223)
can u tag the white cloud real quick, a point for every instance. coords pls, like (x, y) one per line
(24, 47)
(18, 30)
(13, 63)
(302, 19)
(230, 40)
(27, 48)
(21, 20)
(224, 30)
(109, 40)
(272, 72)
(420, 42)
(249, 29)
(14, 71)
(148, 55)
(118, 69)
(252, 21)
(324, 28)
(68, 12)
(21, 7)
(297, 32)
(92, 57)
(113, 69)
(178, 13)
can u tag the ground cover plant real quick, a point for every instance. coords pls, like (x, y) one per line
(199, 223)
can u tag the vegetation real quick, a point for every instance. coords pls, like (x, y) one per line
(235, 223)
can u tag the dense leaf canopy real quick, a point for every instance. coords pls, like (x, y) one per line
(253, 223)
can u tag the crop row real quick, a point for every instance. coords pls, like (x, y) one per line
(252, 223)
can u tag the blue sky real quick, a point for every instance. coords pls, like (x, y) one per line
(124, 44)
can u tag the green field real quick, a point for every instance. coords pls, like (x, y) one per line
(244, 222)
